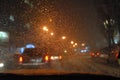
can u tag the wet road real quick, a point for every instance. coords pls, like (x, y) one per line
(86, 64)
(79, 64)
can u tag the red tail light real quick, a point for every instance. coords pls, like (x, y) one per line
(98, 54)
(116, 55)
(20, 59)
(46, 58)
(92, 54)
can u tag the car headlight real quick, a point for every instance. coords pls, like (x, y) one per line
(52, 58)
(1, 65)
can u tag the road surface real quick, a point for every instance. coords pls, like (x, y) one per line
(79, 64)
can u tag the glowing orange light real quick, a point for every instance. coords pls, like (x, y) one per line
(51, 33)
(20, 59)
(73, 45)
(45, 28)
(72, 42)
(76, 44)
(52, 58)
(83, 44)
(50, 20)
(63, 37)
(46, 58)
(98, 54)
(60, 57)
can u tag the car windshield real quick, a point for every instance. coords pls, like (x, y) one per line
(85, 34)
(34, 52)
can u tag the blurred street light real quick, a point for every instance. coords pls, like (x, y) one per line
(83, 44)
(72, 42)
(45, 28)
(63, 37)
(51, 33)
(75, 44)
(65, 51)
(50, 20)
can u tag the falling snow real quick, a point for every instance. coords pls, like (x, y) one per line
(11, 18)
(73, 19)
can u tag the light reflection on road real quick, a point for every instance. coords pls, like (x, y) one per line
(79, 64)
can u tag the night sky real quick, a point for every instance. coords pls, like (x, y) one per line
(76, 18)
(83, 21)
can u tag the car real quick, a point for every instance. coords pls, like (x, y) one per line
(32, 57)
(80, 36)
(54, 54)
(55, 57)
(95, 54)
